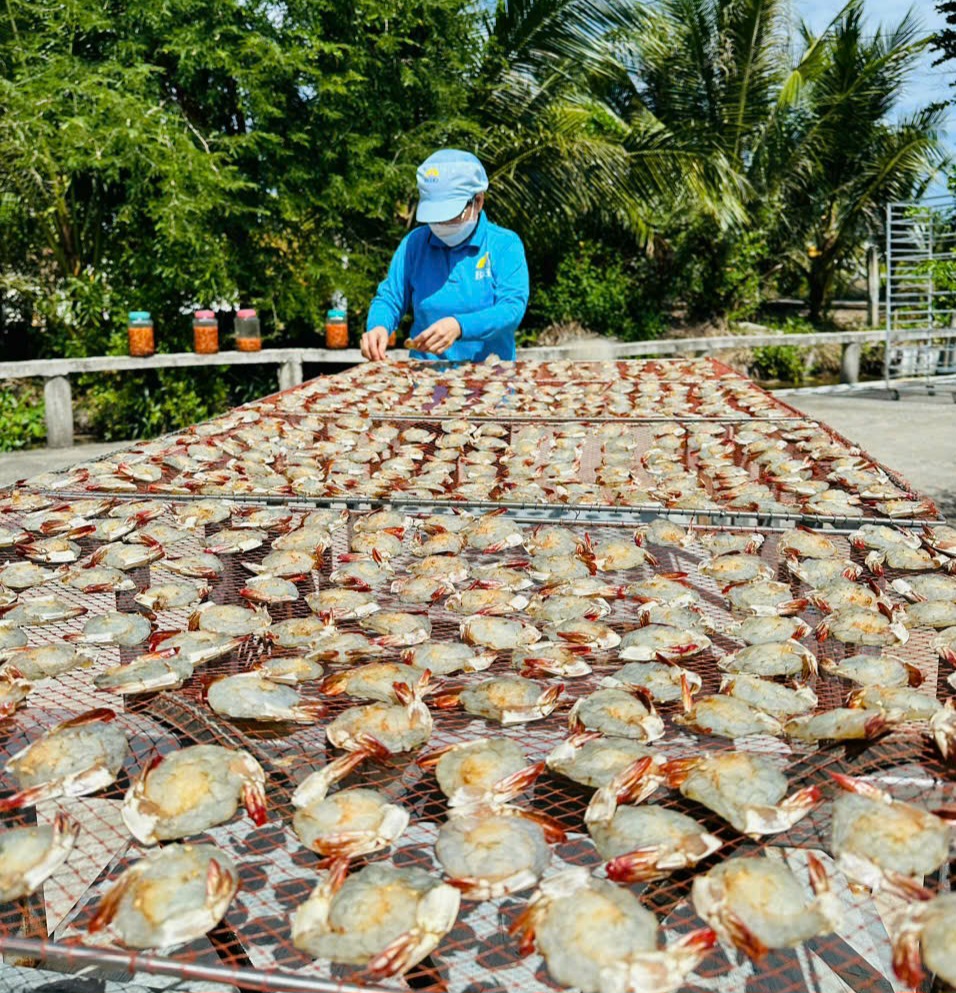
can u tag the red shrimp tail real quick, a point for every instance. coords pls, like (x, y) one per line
(639, 866)
(254, 799)
(742, 937)
(907, 962)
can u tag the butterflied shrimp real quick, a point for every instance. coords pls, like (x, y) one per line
(342, 604)
(617, 712)
(839, 724)
(897, 703)
(777, 658)
(75, 758)
(925, 937)
(443, 658)
(510, 577)
(806, 544)
(596, 937)
(745, 789)
(859, 626)
(374, 681)
(250, 696)
(30, 855)
(171, 896)
(362, 574)
(652, 641)
(726, 716)
(926, 586)
(195, 647)
(736, 567)
(421, 589)
(772, 698)
(558, 609)
(551, 659)
(396, 727)
(873, 670)
(188, 791)
(349, 822)
(646, 842)
(44, 661)
(14, 689)
(384, 918)
(486, 601)
(589, 758)
(758, 903)
(763, 630)
(660, 680)
(617, 554)
(727, 542)
(230, 620)
(765, 598)
(492, 769)
(147, 674)
(818, 573)
(498, 633)
(843, 594)
(505, 699)
(494, 533)
(878, 841)
(396, 628)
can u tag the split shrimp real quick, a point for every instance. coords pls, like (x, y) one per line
(284, 565)
(384, 918)
(484, 769)
(873, 670)
(486, 601)
(44, 661)
(945, 645)
(170, 897)
(96, 579)
(775, 658)
(201, 566)
(396, 727)
(421, 589)
(270, 589)
(925, 937)
(350, 822)
(617, 554)
(301, 632)
(745, 789)
(77, 757)
(728, 542)
(806, 544)
(450, 568)
(926, 586)
(734, 568)
(24, 575)
(251, 696)
(661, 531)
(498, 633)
(646, 842)
(342, 648)
(772, 698)
(938, 614)
(195, 647)
(505, 699)
(552, 540)
(396, 629)
(878, 841)
(340, 604)
(660, 641)
(172, 596)
(589, 758)
(13, 691)
(617, 712)
(493, 533)
(859, 626)
(818, 573)
(906, 559)
(439, 543)
(443, 658)
(726, 716)
(146, 674)
(232, 541)
(838, 724)
(113, 628)
(552, 659)
(596, 937)
(30, 855)
(510, 576)
(363, 574)
(764, 630)
(557, 609)
(230, 620)
(755, 904)
(897, 703)
(374, 681)
(843, 594)
(765, 598)
(188, 791)
(51, 551)
(661, 681)
(127, 557)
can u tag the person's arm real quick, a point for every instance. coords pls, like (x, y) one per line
(388, 306)
(511, 297)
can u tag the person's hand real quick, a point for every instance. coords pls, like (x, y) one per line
(438, 337)
(374, 343)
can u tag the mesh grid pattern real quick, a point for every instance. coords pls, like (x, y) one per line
(253, 942)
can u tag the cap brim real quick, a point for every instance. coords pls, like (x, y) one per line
(437, 211)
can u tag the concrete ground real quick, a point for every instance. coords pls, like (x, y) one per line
(915, 435)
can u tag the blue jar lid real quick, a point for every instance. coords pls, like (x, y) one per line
(139, 315)
(333, 314)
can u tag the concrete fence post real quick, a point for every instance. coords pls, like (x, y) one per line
(290, 374)
(873, 287)
(59, 412)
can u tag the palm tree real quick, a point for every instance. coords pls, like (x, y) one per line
(846, 159)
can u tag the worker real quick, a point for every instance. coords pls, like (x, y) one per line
(464, 279)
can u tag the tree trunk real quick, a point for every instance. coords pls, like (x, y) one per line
(819, 281)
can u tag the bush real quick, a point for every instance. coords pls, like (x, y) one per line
(22, 417)
(781, 362)
(604, 292)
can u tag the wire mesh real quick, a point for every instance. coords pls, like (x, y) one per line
(252, 946)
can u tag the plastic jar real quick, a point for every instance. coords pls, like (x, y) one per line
(141, 340)
(205, 332)
(336, 329)
(248, 335)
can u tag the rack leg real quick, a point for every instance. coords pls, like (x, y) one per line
(59, 412)
(290, 374)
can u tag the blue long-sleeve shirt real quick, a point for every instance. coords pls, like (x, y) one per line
(483, 283)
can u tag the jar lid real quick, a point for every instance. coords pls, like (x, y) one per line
(205, 315)
(139, 315)
(248, 312)
(333, 314)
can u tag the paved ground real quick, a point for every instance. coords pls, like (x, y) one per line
(916, 436)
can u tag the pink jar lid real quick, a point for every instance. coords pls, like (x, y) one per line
(246, 313)
(205, 315)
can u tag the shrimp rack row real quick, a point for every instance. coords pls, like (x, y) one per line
(338, 441)
(252, 948)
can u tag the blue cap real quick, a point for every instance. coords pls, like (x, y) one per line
(139, 315)
(447, 180)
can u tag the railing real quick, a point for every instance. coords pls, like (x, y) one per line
(59, 398)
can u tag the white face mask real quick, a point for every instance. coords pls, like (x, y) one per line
(453, 233)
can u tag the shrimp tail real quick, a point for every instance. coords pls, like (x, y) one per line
(24, 798)
(109, 905)
(511, 786)
(741, 936)
(254, 800)
(907, 961)
(639, 866)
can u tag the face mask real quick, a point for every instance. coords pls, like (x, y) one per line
(455, 232)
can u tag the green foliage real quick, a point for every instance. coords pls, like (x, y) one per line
(780, 362)
(22, 421)
(603, 292)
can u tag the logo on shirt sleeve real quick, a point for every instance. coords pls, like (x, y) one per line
(483, 267)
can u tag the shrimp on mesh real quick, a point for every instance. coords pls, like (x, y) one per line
(350, 822)
(661, 641)
(617, 712)
(747, 790)
(77, 757)
(482, 769)
(36, 662)
(879, 842)
(30, 855)
(897, 703)
(838, 724)
(617, 554)
(147, 673)
(734, 568)
(803, 543)
(340, 604)
(772, 698)
(504, 699)
(596, 937)
(661, 531)
(486, 601)
(765, 597)
(231, 620)
(660, 680)
(373, 681)
(498, 633)
(762, 630)
(384, 918)
(396, 727)
(860, 626)
(551, 659)
(938, 614)
(591, 759)
(443, 658)
(251, 696)
(873, 670)
(397, 629)
(641, 843)
(775, 658)
(758, 903)
(726, 542)
(817, 573)
(173, 895)
(925, 938)
(188, 791)
(493, 533)
(726, 716)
